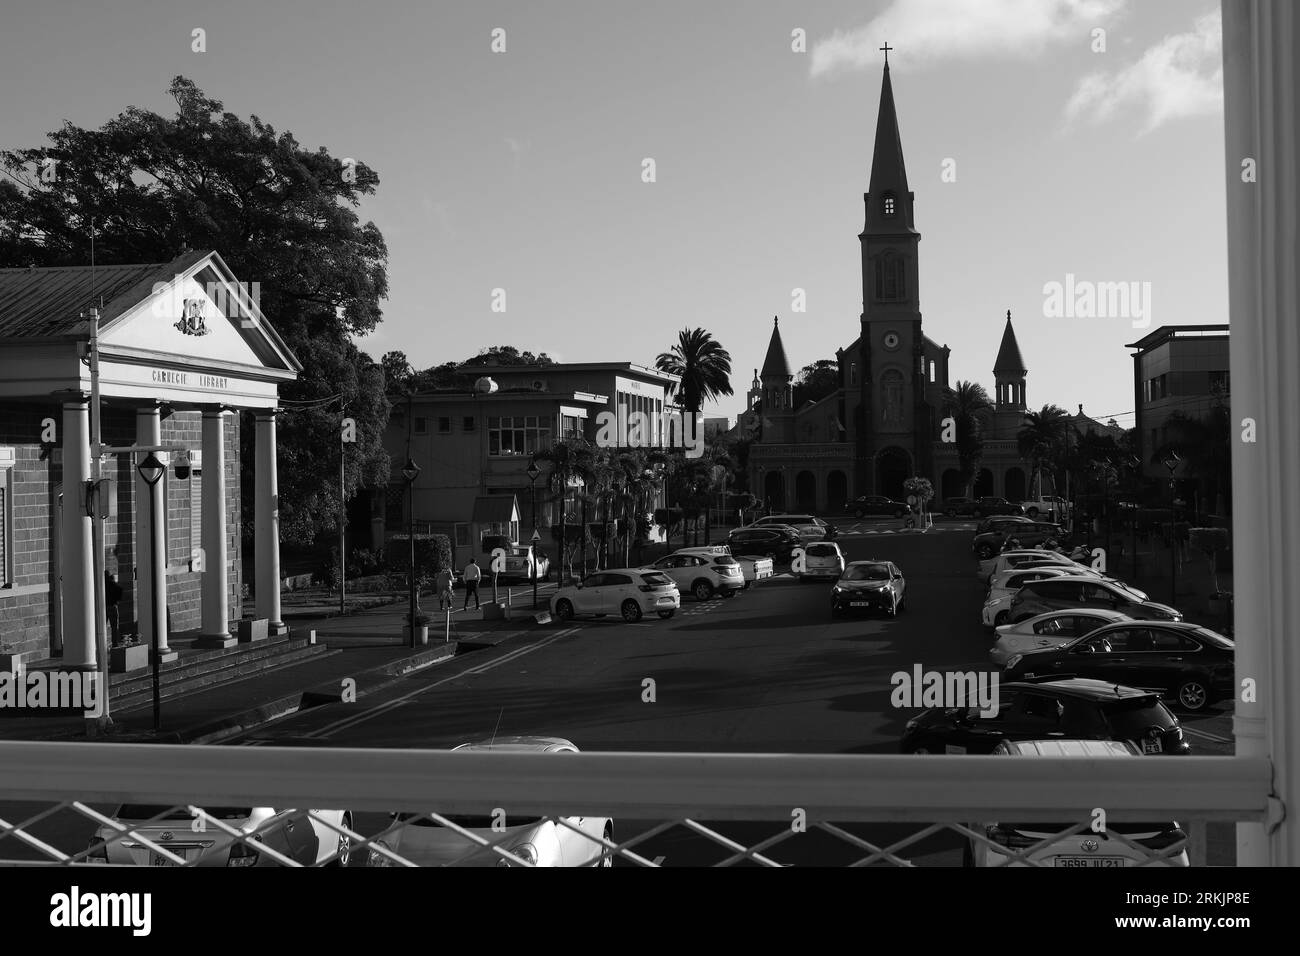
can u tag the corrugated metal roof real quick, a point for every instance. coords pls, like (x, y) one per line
(50, 301)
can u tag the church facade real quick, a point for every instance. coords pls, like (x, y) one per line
(883, 424)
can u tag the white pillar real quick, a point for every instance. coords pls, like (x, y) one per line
(214, 592)
(1262, 126)
(76, 546)
(150, 579)
(267, 519)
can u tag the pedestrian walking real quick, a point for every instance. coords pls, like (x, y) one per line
(442, 584)
(473, 573)
(112, 596)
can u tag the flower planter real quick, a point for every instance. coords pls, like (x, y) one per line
(11, 663)
(133, 657)
(421, 633)
(253, 630)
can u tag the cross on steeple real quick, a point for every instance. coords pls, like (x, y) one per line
(886, 48)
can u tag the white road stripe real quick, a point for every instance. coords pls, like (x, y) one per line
(1202, 733)
(355, 719)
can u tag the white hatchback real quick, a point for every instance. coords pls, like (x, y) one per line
(568, 841)
(628, 592)
(820, 561)
(703, 572)
(1117, 845)
(997, 606)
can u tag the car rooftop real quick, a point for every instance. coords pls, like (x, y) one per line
(1070, 748)
(519, 744)
(1085, 687)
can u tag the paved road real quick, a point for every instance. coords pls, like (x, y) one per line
(766, 671)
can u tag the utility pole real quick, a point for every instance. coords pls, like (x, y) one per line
(96, 506)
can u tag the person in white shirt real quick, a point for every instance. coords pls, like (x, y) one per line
(472, 575)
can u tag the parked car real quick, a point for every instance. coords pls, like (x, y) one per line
(957, 507)
(534, 839)
(869, 585)
(992, 505)
(997, 521)
(520, 561)
(1007, 560)
(865, 505)
(774, 541)
(702, 575)
(1065, 707)
(822, 561)
(810, 528)
(1119, 844)
(1188, 663)
(997, 604)
(1051, 508)
(1053, 629)
(989, 543)
(1085, 591)
(628, 592)
(299, 835)
(752, 567)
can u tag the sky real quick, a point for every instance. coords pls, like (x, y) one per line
(1037, 147)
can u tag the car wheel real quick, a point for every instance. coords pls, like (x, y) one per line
(1032, 512)
(564, 610)
(666, 614)
(702, 590)
(859, 514)
(631, 611)
(984, 552)
(1193, 696)
(344, 855)
(608, 859)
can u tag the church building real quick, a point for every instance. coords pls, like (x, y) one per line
(883, 424)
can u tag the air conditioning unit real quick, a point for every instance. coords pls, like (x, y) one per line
(539, 385)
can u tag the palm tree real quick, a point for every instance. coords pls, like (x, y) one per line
(967, 403)
(1042, 441)
(701, 363)
(569, 458)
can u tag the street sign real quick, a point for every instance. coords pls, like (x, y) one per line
(536, 536)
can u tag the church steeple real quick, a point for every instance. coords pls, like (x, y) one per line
(1009, 372)
(889, 201)
(778, 382)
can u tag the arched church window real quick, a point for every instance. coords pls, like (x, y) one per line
(891, 393)
(889, 205)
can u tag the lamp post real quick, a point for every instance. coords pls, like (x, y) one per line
(532, 472)
(152, 470)
(410, 471)
(1134, 463)
(1170, 462)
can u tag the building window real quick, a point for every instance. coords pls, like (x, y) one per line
(461, 531)
(444, 425)
(468, 423)
(517, 435)
(889, 205)
(421, 425)
(570, 427)
(932, 372)
(853, 373)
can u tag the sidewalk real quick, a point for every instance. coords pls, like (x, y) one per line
(367, 652)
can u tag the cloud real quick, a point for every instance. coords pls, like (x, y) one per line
(1181, 76)
(929, 30)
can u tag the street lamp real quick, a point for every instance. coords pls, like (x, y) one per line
(152, 470)
(410, 471)
(532, 472)
(1170, 462)
(1134, 463)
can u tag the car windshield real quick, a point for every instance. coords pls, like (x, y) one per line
(146, 811)
(724, 559)
(1132, 718)
(822, 551)
(655, 578)
(867, 572)
(467, 821)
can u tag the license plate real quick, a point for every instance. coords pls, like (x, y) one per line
(1153, 747)
(157, 859)
(859, 604)
(1090, 861)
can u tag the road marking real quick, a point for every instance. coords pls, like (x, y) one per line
(355, 719)
(659, 860)
(1207, 736)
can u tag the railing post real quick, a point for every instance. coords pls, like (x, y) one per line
(1262, 156)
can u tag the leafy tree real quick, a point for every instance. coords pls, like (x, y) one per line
(816, 381)
(1042, 440)
(280, 215)
(508, 355)
(968, 403)
(1205, 445)
(703, 365)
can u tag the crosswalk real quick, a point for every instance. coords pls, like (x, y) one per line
(700, 607)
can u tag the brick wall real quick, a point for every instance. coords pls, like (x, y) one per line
(25, 615)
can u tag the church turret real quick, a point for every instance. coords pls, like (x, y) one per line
(1009, 372)
(778, 389)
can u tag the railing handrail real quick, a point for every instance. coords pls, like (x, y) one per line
(843, 787)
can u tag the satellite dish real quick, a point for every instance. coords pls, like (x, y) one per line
(485, 386)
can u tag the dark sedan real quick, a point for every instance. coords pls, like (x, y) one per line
(1190, 664)
(989, 543)
(989, 505)
(867, 586)
(1072, 708)
(771, 542)
(875, 505)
